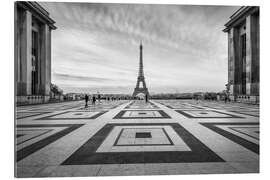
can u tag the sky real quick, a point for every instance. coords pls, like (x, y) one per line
(96, 47)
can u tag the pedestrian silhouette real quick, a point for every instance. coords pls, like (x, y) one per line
(99, 97)
(86, 100)
(225, 98)
(94, 100)
(146, 98)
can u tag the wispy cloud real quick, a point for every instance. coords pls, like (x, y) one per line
(81, 78)
(184, 46)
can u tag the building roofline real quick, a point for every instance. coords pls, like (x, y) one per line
(238, 15)
(39, 11)
(237, 11)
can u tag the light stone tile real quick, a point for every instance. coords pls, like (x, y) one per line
(110, 170)
(246, 156)
(27, 171)
(212, 168)
(246, 167)
(122, 170)
(167, 168)
(69, 171)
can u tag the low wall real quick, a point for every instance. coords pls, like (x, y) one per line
(250, 99)
(32, 99)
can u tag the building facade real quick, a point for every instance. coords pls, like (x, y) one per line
(243, 30)
(33, 28)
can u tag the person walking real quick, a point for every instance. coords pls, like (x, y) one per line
(94, 100)
(99, 98)
(146, 98)
(86, 98)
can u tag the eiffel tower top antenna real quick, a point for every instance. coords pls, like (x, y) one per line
(141, 61)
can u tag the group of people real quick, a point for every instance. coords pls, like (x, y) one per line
(86, 98)
(94, 99)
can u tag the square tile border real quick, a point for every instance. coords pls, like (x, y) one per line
(27, 116)
(166, 134)
(191, 107)
(179, 144)
(152, 104)
(246, 113)
(163, 114)
(190, 116)
(95, 107)
(87, 154)
(51, 116)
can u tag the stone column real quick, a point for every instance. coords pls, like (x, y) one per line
(48, 67)
(45, 60)
(255, 64)
(16, 48)
(234, 56)
(250, 54)
(231, 62)
(26, 54)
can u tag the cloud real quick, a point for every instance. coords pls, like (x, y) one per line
(80, 78)
(184, 46)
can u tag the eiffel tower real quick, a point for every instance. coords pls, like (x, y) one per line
(140, 78)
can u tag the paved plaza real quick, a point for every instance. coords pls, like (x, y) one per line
(136, 138)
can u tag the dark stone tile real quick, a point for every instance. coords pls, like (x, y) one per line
(143, 135)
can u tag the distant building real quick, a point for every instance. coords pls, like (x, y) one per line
(70, 96)
(74, 96)
(243, 31)
(33, 28)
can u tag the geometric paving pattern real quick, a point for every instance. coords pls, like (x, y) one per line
(30, 138)
(245, 134)
(145, 138)
(183, 106)
(179, 105)
(250, 113)
(124, 137)
(191, 150)
(141, 105)
(206, 114)
(72, 115)
(20, 115)
(139, 114)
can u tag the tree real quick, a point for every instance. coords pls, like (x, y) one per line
(56, 90)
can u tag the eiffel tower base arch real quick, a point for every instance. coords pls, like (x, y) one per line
(140, 90)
